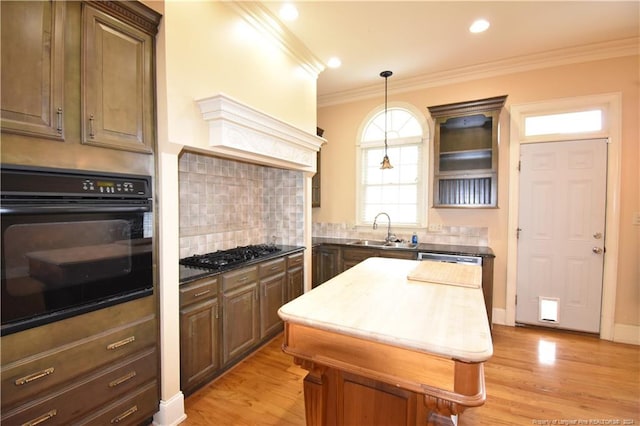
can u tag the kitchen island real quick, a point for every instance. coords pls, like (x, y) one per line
(381, 348)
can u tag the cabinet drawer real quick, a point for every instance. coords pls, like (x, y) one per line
(131, 410)
(82, 397)
(29, 343)
(358, 254)
(271, 267)
(295, 260)
(240, 277)
(22, 380)
(198, 291)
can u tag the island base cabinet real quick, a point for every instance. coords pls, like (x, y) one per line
(338, 398)
(333, 397)
(355, 381)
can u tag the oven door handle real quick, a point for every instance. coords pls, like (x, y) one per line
(74, 208)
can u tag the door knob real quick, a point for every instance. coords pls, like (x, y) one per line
(597, 235)
(596, 250)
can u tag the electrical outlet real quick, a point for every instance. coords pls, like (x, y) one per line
(435, 227)
(636, 219)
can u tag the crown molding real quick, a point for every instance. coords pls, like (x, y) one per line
(260, 18)
(552, 58)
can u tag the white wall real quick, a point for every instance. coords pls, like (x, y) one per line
(205, 48)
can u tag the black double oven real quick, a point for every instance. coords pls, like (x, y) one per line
(73, 241)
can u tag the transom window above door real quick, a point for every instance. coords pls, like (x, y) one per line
(399, 191)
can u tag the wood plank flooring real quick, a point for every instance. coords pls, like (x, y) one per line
(535, 377)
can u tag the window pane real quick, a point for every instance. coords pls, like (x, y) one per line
(572, 122)
(400, 123)
(393, 191)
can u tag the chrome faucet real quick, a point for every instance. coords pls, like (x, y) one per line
(375, 226)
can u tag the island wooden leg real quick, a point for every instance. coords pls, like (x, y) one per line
(440, 411)
(314, 394)
(313, 401)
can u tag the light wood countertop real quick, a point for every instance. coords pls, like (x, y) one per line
(375, 301)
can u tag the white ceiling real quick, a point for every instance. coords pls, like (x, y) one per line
(418, 39)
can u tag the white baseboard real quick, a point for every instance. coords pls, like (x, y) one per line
(171, 412)
(622, 333)
(625, 333)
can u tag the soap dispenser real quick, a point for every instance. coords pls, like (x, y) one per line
(414, 238)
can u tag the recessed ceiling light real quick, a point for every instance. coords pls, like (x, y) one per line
(334, 62)
(288, 12)
(479, 25)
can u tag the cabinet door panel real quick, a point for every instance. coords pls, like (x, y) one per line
(199, 345)
(117, 70)
(272, 298)
(33, 67)
(240, 320)
(295, 283)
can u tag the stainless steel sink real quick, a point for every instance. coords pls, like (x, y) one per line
(369, 243)
(384, 244)
(402, 244)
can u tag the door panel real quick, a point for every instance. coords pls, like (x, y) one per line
(117, 103)
(32, 97)
(562, 222)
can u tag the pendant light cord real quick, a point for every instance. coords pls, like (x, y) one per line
(386, 115)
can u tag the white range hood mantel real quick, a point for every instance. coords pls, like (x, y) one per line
(240, 132)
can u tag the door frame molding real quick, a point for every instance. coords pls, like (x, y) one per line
(611, 104)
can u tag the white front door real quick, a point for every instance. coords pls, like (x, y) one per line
(561, 234)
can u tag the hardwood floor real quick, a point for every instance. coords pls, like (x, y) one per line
(535, 377)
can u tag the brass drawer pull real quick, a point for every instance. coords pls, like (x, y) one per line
(122, 379)
(275, 267)
(35, 376)
(124, 415)
(120, 343)
(43, 418)
(202, 293)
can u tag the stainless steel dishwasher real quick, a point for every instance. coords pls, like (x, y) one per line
(451, 258)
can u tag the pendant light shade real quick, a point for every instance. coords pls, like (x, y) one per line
(385, 164)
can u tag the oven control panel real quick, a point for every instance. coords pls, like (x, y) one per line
(30, 182)
(102, 186)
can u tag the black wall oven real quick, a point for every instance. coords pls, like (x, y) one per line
(72, 242)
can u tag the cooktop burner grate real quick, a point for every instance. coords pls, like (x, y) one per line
(225, 259)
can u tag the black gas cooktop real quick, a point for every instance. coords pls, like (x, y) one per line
(225, 259)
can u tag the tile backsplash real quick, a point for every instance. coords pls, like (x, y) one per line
(459, 235)
(226, 203)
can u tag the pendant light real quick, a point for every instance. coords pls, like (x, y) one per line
(386, 164)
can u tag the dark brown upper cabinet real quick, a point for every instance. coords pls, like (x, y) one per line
(466, 153)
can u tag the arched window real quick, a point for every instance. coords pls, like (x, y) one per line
(398, 192)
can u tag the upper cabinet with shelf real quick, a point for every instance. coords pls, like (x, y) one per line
(466, 153)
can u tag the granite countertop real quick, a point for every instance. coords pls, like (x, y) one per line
(191, 273)
(374, 300)
(422, 247)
